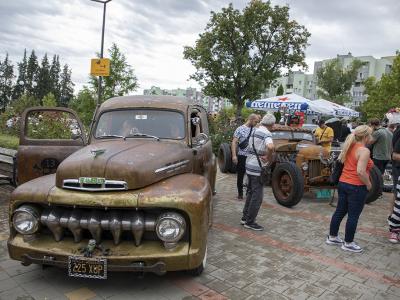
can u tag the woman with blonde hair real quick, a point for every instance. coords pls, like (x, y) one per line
(353, 187)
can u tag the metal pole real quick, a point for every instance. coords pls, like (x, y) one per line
(101, 52)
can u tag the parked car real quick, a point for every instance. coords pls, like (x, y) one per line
(300, 165)
(125, 200)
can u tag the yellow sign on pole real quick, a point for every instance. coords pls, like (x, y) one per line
(100, 67)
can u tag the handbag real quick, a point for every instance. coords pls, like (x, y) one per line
(243, 145)
(336, 172)
(265, 175)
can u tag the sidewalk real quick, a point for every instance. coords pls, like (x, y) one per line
(289, 260)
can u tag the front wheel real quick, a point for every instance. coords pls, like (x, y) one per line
(199, 270)
(287, 184)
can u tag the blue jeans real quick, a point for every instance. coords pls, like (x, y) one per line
(351, 202)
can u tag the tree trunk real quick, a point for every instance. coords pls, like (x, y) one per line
(239, 106)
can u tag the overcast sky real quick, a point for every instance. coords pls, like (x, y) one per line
(152, 33)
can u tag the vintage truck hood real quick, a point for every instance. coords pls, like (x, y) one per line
(138, 162)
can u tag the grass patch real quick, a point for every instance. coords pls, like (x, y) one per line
(9, 141)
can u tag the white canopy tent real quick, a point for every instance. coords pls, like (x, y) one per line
(336, 110)
(290, 102)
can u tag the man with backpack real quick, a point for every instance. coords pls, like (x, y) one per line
(239, 148)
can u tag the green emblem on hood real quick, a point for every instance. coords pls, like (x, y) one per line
(97, 152)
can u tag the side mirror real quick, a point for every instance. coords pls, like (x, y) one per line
(76, 136)
(200, 140)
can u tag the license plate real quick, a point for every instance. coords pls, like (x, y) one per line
(91, 180)
(79, 266)
(324, 194)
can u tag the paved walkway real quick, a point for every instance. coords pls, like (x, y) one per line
(289, 260)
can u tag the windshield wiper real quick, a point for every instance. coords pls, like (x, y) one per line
(141, 135)
(110, 136)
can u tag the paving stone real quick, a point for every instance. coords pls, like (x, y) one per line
(386, 296)
(277, 286)
(294, 293)
(235, 294)
(15, 293)
(81, 294)
(49, 294)
(312, 289)
(327, 284)
(4, 275)
(35, 285)
(348, 293)
(271, 295)
(330, 296)
(291, 281)
(218, 285)
(255, 289)
(7, 284)
(344, 281)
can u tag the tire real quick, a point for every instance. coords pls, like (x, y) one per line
(224, 158)
(197, 271)
(287, 184)
(232, 168)
(377, 183)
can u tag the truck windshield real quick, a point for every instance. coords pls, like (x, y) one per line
(140, 122)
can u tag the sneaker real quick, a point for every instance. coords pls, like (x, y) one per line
(333, 240)
(243, 221)
(253, 226)
(394, 237)
(352, 247)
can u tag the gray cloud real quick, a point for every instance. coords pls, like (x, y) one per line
(152, 33)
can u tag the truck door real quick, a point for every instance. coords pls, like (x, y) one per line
(205, 162)
(47, 137)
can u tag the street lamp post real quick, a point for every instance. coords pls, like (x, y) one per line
(104, 2)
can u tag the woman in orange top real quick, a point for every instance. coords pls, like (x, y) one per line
(354, 184)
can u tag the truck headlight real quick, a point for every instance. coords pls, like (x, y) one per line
(170, 227)
(304, 166)
(26, 219)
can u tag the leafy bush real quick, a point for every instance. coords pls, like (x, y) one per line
(223, 125)
(9, 141)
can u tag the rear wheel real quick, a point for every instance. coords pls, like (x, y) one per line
(287, 184)
(377, 183)
(224, 158)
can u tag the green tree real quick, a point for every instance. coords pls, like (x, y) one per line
(66, 86)
(49, 100)
(6, 82)
(383, 94)
(122, 79)
(32, 71)
(43, 86)
(55, 74)
(280, 90)
(241, 53)
(21, 84)
(335, 81)
(84, 104)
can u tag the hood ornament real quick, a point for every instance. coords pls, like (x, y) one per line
(97, 152)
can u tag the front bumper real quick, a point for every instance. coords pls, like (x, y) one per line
(151, 256)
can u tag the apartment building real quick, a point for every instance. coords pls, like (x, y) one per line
(306, 85)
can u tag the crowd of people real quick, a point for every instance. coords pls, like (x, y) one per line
(363, 147)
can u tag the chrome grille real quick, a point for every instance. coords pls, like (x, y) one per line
(58, 220)
(108, 185)
(314, 168)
